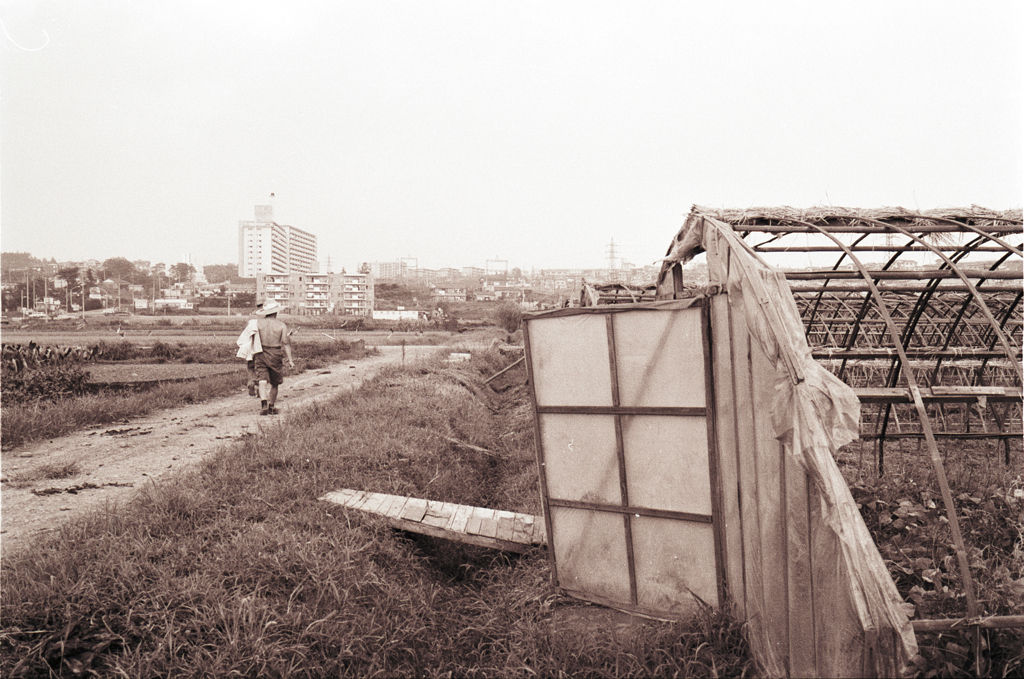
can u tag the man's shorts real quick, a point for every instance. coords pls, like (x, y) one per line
(269, 365)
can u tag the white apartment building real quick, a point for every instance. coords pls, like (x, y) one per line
(314, 294)
(264, 246)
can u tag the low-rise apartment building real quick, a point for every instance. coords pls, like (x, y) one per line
(438, 295)
(314, 294)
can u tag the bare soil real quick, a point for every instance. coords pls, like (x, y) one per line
(111, 463)
(129, 373)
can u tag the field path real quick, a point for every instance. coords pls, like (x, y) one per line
(119, 459)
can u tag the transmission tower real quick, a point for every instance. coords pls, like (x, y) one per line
(611, 255)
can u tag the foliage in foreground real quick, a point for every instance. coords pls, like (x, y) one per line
(45, 383)
(239, 569)
(906, 517)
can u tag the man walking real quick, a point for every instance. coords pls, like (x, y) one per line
(270, 361)
(248, 346)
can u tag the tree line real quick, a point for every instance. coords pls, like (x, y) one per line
(28, 280)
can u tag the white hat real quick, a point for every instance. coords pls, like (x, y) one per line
(271, 307)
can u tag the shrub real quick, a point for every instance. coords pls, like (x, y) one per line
(47, 382)
(161, 350)
(509, 316)
(117, 351)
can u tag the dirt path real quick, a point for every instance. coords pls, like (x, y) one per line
(114, 461)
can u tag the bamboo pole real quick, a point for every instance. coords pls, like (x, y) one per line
(993, 622)
(933, 449)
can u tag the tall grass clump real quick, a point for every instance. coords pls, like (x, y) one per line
(236, 568)
(509, 316)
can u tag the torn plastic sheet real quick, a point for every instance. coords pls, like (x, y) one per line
(813, 415)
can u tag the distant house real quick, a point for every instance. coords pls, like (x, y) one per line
(398, 315)
(438, 295)
(179, 303)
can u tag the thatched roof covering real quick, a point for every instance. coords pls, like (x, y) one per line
(940, 288)
(765, 216)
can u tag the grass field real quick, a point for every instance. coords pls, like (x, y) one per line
(237, 568)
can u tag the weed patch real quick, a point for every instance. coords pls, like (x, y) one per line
(46, 382)
(908, 522)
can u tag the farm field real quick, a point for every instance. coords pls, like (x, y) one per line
(116, 373)
(393, 423)
(214, 335)
(241, 516)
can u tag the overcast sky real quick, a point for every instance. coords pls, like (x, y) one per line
(461, 132)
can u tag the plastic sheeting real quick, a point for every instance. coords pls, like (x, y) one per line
(813, 413)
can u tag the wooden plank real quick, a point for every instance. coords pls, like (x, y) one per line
(753, 572)
(369, 499)
(449, 519)
(438, 514)
(771, 502)
(477, 518)
(620, 453)
(489, 528)
(393, 507)
(374, 502)
(540, 531)
(357, 500)
(711, 425)
(538, 446)
(460, 518)
(353, 496)
(506, 527)
(529, 525)
(727, 454)
(802, 660)
(335, 496)
(414, 510)
(938, 394)
(397, 506)
(479, 540)
(668, 411)
(521, 531)
(483, 512)
(831, 600)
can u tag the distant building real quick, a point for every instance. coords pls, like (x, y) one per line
(389, 270)
(439, 295)
(399, 315)
(264, 246)
(314, 294)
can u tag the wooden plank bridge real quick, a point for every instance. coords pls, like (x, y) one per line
(493, 528)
